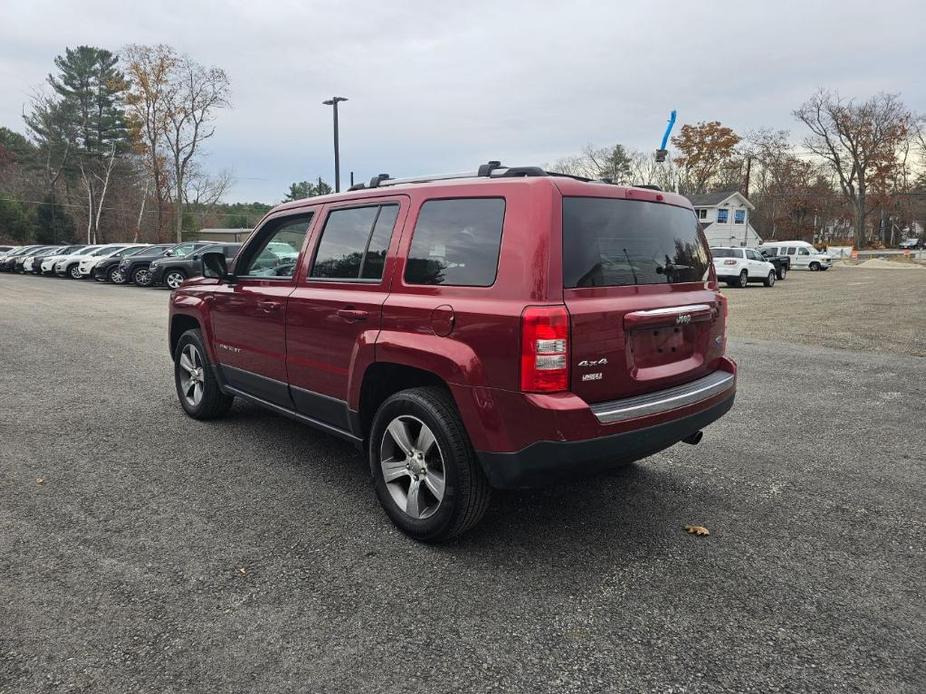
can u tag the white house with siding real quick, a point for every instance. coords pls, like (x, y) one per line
(725, 218)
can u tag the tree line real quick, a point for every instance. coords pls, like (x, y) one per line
(857, 177)
(113, 149)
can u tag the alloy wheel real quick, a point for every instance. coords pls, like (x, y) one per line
(173, 279)
(116, 277)
(75, 272)
(744, 279)
(191, 382)
(143, 277)
(413, 467)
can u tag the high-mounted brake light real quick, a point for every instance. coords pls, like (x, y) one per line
(544, 349)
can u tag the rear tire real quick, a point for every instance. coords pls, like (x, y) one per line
(429, 439)
(197, 386)
(782, 272)
(770, 280)
(743, 280)
(142, 277)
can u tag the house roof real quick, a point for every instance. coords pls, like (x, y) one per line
(715, 199)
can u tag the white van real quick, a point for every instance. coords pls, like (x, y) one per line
(802, 254)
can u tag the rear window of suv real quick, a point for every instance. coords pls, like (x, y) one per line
(456, 242)
(610, 242)
(726, 253)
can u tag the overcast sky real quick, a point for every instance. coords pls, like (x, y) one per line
(444, 86)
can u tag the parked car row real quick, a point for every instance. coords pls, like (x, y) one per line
(146, 265)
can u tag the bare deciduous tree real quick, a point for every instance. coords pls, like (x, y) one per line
(196, 93)
(857, 141)
(149, 69)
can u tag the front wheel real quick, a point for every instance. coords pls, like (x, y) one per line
(174, 278)
(425, 472)
(815, 266)
(115, 276)
(74, 272)
(770, 280)
(142, 277)
(197, 386)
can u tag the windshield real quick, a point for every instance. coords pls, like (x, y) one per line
(612, 242)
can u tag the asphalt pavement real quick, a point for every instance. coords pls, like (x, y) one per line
(141, 550)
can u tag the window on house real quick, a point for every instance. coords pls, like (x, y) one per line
(739, 217)
(722, 216)
(702, 213)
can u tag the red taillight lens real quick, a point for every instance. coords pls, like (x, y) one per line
(544, 349)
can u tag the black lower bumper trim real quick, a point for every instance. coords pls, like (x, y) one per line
(545, 462)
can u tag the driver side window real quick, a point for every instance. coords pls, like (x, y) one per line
(277, 249)
(803, 251)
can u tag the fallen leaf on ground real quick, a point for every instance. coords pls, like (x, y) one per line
(697, 530)
(40, 480)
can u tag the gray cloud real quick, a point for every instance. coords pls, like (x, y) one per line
(435, 87)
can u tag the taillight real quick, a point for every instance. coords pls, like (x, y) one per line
(544, 349)
(729, 261)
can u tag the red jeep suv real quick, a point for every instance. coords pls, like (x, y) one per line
(496, 329)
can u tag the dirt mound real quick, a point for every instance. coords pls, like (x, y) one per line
(882, 264)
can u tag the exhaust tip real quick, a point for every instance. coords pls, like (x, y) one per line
(694, 439)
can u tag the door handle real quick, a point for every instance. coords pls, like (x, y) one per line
(268, 306)
(351, 315)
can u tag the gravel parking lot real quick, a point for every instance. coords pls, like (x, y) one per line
(846, 307)
(143, 551)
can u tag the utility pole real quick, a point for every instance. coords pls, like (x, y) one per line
(333, 102)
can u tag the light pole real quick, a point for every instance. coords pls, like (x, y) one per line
(333, 101)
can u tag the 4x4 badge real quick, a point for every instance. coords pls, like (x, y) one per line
(683, 319)
(593, 362)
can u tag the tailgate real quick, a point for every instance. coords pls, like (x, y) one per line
(643, 317)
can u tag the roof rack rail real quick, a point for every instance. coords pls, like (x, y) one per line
(378, 179)
(491, 169)
(487, 169)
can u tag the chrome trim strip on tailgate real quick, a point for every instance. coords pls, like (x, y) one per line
(664, 400)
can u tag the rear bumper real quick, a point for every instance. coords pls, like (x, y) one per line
(539, 439)
(548, 461)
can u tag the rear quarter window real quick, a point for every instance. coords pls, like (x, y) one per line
(456, 242)
(614, 242)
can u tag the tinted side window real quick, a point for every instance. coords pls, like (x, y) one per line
(354, 243)
(375, 258)
(277, 249)
(456, 242)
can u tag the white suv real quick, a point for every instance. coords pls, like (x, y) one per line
(67, 264)
(89, 261)
(740, 266)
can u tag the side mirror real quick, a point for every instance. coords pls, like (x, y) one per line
(214, 266)
(168, 253)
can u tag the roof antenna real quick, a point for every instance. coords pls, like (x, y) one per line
(662, 152)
